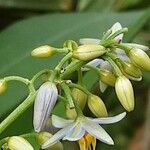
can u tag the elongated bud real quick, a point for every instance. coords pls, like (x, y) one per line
(125, 92)
(97, 106)
(88, 52)
(71, 113)
(107, 77)
(140, 58)
(17, 143)
(131, 70)
(3, 86)
(43, 51)
(80, 97)
(44, 103)
(44, 136)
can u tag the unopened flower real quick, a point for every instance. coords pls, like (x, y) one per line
(140, 58)
(80, 97)
(88, 52)
(43, 51)
(44, 136)
(74, 130)
(70, 112)
(97, 106)
(17, 143)
(124, 91)
(3, 86)
(44, 103)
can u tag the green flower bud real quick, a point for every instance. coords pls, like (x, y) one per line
(125, 92)
(107, 77)
(97, 106)
(80, 97)
(88, 52)
(43, 51)
(44, 136)
(70, 113)
(17, 143)
(131, 70)
(140, 58)
(3, 86)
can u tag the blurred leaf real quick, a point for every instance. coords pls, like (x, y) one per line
(17, 41)
(38, 4)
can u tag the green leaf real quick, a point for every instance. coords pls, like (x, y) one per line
(18, 40)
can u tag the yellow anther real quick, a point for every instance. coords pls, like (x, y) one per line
(82, 144)
(91, 141)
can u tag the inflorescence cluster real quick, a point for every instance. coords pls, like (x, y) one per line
(115, 63)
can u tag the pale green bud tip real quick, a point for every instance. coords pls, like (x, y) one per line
(125, 94)
(88, 52)
(43, 51)
(44, 136)
(17, 143)
(3, 86)
(140, 58)
(97, 106)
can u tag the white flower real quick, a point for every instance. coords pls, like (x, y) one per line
(44, 103)
(74, 130)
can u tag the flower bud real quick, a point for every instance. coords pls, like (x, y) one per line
(43, 51)
(71, 113)
(17, 143)
(44, 103)
(140, 58)
(107, 77)
(3, 86)
(80, 97)
(125, 92)
(97, 106)
(88, 52)
(44, 136)
(131, 70)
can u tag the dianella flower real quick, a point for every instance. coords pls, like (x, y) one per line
(74, 130)
(125, 94)
(44, 103)
(17, 143)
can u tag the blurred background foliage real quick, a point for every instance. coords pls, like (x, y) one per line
(18, 40)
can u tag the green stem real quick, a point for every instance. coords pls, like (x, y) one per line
(107, 34)
(73, 85)
(59, 66)
(80, 76)
(3, 141)
(17, 78)
(114, 65)
(68, 95)
(62, 50)
(18, 111)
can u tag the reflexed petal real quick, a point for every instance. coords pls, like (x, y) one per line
(56, 137)
(44, 103)
(134, 79)
(97, 131)
(122, 55)
(106, 65)
(109, 120)
(117, 26)
(59, 122)
(138, 46)
(89, 41)
(76, 134)
(102, 86)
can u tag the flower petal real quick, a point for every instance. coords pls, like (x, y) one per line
(109, 120)
(56, 137)
(106, 65)
(97, 131)
(102, 86)
(76, 134)
(117, 26)
(59, 122)
(89, 41)
(122, 55)
(134, 45)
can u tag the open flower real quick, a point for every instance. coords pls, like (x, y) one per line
(44, 103)
(74, 130)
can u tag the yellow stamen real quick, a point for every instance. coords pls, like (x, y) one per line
(82, 144)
